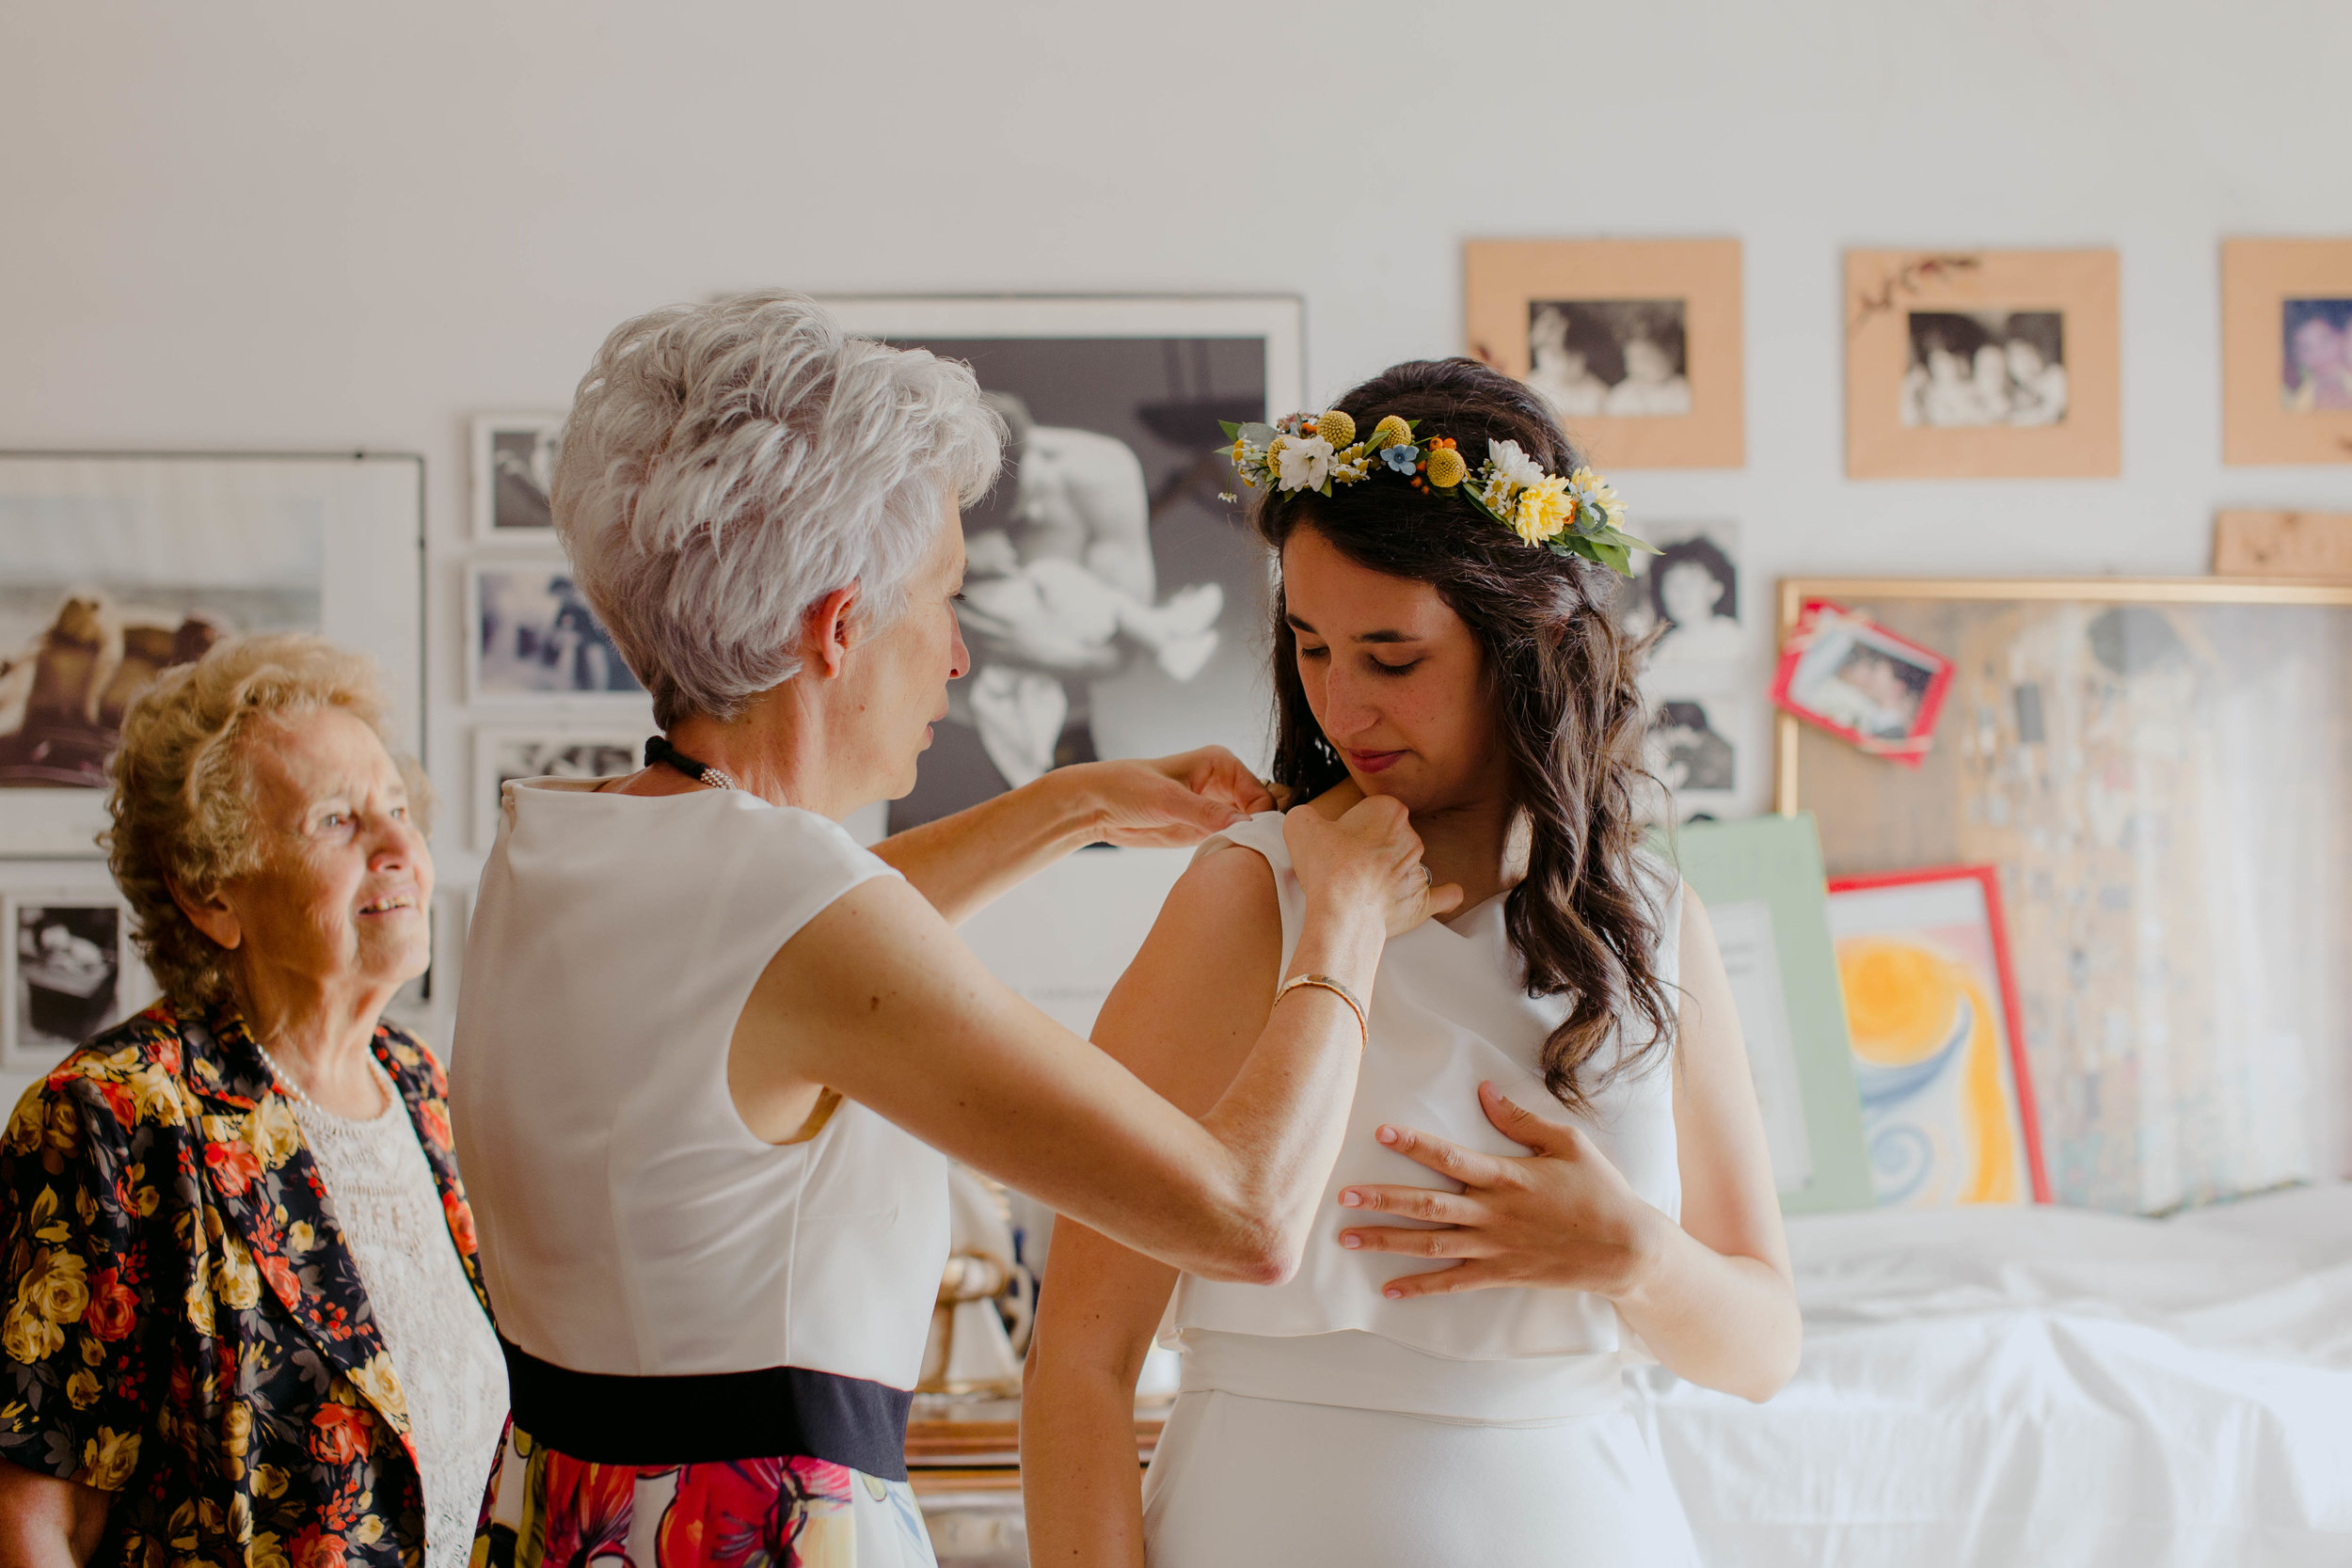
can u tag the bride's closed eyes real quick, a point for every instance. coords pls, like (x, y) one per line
(1371, 663)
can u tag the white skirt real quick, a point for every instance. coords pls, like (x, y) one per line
(1241, 1482)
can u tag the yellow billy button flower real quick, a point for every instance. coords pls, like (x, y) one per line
(1390, 432)
(1446, 468)
(1336, 428)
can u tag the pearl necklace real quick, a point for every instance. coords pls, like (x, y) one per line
(286, 1080)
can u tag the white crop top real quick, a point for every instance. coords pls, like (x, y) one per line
(630, 1223)
(1449, 1009)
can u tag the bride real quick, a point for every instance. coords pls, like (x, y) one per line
(1554, 1165)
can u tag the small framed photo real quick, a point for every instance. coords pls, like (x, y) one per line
(2286, 351)
(531, 637)
(1861, 682)
(501, 755)
(1635, 342)
(514, 473)
(1692, 751)
(1938, 1039)
(1689, 595)
(69, 967)
(1982, 364)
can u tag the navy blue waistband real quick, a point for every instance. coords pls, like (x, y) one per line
(774, 1412)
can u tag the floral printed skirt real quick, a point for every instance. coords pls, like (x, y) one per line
(547, 1510)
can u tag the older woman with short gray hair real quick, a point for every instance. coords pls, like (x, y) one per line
(712, 1052)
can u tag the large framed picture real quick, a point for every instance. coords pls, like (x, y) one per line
(1931, 1011)
(1982, 364)
(1115, 605)
(2286, 351)
(1635, 342)
(70, 968)
(2161, 772)
(514, 473)
(114, 568)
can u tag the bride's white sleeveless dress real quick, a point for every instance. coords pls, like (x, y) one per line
(1321, 1422)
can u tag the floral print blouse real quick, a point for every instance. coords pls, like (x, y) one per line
(184, 1325)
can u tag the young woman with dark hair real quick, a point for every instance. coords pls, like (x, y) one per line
(1441, 638)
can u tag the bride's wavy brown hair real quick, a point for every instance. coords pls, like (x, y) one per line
(1560, 675)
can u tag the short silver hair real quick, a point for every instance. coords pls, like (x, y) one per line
(728, 465)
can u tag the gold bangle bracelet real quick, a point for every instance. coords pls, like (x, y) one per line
(1337, 988)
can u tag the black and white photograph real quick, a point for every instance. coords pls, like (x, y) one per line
(514, 473)
(501, 756)
(1113, 606)
(1617, 357)
(1983, 367)
(1689, 593)
(532, 636)
(1694, 751)
(67, 974)
(116, 569)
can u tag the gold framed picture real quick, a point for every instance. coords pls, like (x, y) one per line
(1635, 342)
(1983, 364)
(2161, 772)
(2286, 351)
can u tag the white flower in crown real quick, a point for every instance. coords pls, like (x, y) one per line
(1510, 462)
(1305, 462)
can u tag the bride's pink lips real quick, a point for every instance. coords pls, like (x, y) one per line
(1372, 762)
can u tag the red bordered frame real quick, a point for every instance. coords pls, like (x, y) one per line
(2012, 1015)
(1821, 619)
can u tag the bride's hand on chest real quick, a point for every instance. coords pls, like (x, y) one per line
(1560, 1218)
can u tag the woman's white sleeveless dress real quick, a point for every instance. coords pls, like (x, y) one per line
(1321, 1422)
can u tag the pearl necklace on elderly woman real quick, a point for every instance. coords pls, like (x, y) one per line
(286, 1080)
(658, 750)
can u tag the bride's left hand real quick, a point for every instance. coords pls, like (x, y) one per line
(1561, 1218)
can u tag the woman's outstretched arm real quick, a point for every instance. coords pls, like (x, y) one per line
(1710, 1296)
(877, 1000)
(1101, 1302)
(965, 862)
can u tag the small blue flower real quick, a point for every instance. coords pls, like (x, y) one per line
(1400, 458)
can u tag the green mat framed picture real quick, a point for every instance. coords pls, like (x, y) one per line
(1769, 903)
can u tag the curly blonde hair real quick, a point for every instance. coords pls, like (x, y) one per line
(180, 795)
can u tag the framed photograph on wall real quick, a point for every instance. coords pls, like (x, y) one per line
(1113, 606)
(1982, 364)
(530, 637)
(2162, 771)
(2286, 351)
(1694, 749)
(1765, 898)
(514, 472)
(1635, 342)
(1689, 593)
(501, 755)
(114, 568)
(1947, 1107)
(70, 968)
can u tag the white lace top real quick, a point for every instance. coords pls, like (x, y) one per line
(442, 1346)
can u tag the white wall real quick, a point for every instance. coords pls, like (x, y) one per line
(268, 226)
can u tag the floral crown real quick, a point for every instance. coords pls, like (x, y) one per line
(1578, 514)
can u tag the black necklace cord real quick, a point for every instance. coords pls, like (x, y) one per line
(660, 753)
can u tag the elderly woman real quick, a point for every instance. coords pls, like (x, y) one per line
(711, 1051)
(243, 1321)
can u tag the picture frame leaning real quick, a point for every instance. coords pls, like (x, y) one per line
(1982, 364)
(115, 566)
(2162, 771)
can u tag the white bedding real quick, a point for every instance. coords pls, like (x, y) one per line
(2043, 1385)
